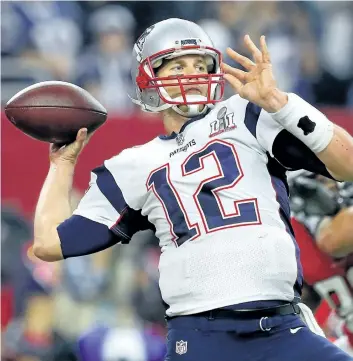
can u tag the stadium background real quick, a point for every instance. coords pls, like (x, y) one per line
(89, 44)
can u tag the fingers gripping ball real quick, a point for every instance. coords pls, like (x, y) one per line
(54, 111)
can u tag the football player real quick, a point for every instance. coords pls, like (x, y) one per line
(213, 189)
(323, 226)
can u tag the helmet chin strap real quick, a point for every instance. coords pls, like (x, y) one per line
(191, 110)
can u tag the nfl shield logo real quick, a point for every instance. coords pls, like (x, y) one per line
(181, 347)
(180, 139)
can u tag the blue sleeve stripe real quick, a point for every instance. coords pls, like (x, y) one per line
(107, 185)
(284, 211)
(129, 221)
(252, 115)
(80, 236)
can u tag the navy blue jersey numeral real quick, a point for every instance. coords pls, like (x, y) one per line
(207, 197)
(180, 227)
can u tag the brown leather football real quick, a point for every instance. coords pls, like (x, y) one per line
(54, 111)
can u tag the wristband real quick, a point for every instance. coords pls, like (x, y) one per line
(305, 122)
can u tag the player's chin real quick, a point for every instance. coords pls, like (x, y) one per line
(184, 108)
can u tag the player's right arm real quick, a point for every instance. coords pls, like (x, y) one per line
(53, 205)
(52, 209)
(101, 220)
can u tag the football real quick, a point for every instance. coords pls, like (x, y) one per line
(54, 111)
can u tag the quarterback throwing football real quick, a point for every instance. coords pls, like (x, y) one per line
(214, 191)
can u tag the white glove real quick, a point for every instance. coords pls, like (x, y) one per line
(308, 317)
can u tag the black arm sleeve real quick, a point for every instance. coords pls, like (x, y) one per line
(294, 154)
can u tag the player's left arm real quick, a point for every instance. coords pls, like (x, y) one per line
(338, 155)
(329, 142)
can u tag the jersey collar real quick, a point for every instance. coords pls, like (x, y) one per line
(189, 121)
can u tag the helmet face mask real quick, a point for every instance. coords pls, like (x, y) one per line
(147, 79)
(151, 89)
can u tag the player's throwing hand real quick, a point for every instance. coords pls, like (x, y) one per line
(69, 153)
(257, 84)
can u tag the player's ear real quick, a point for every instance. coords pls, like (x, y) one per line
(160, 65)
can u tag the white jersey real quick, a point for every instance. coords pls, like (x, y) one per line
(219, 209)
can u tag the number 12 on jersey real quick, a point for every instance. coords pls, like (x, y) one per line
(207, 196)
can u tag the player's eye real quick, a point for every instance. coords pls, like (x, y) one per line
(201, 68)
(177, 69)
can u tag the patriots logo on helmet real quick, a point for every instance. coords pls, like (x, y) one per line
(142, 39)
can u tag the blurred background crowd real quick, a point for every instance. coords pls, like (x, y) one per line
(89, 42)
(49, 309)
